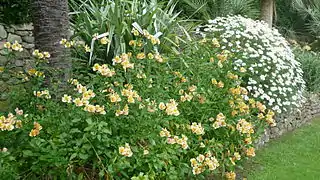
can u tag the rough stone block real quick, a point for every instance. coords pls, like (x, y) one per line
(13, 38)
(3, 32)
(28, 39)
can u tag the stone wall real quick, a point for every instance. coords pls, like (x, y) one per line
(10, 68)
(294, 120)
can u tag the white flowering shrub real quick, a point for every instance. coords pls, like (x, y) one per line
(273, 74)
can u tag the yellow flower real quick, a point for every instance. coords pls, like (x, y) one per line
(40, 55)
(260, 116)
(1, 69)
(67, 45)
(46, 54)
(66, 98)
(214, 81)
(162, 106)
(222, 57)
(251, 152)
(243, 70)
(220, 84)
(306, 48)
(90, 108)
(211, 59)
(237, 156)
(96, 67)
(145, 152)
(132, 43)
(197, 128)
(126, 150)
(86, 48)
(114, 97)
(172, 108)
(231, 175)
(215, 42)
(248, 140)
(34, 132)
(7, 45)
(141, 56)
(78, 102)
(150, 56)
(104, 40)
(135, 32)
(63, 41)
(245, 127)
(165, 133)
(35, 52)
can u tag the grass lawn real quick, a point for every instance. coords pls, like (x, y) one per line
(296, 156)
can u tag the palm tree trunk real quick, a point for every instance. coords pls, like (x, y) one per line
(267, 11)
(51, 24)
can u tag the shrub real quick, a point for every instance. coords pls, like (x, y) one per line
(274, 76)
(310, 64)
(146, 115)
(15, 11)
(116, 18)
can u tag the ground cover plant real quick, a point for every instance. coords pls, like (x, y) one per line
(145, 115)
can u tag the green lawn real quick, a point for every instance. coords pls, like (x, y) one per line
(296, 156)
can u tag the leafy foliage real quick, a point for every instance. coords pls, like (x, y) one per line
(206, 10)
(15, 11)
(147, 115)
(310, 64)
(116, 18)
(310, 12)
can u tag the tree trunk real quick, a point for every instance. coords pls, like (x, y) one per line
(267, 11)
(51, 24)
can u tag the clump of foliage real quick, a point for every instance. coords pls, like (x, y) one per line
(210, 9)
(146, 115)
(310, 64)
(274, 76)
(116, 18)
(15, 11)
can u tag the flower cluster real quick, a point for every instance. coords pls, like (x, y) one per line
(10, 122)
(35, 73)
(124, 61)
(197, 129)
(250, 152)
(202, 162)
(183, 141)
(41, 55)
(220, 121)
(15, 46)
(170, 108)
(125, 150)
(36, 129)
(245, 127)
(42, 94)
(130, 94)
(154, 40)
(274, 75)
(231, 175)
(104, 70)
(66, 43)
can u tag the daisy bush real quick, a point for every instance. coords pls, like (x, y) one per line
(273, 74)
(145, 115)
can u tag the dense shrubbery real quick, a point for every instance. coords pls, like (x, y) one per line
(274, 76)
(15, 11)
(310, 64)
(145, 115)
(116, 19)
